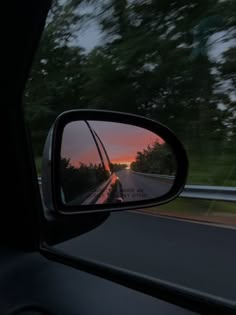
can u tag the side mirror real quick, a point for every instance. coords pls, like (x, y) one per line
(104, 161)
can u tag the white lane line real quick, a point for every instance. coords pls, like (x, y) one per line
(194, 221)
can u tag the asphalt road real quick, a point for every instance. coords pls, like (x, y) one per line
(198, 256)
(139, 187)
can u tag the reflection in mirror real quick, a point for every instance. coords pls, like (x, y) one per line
(107, 162)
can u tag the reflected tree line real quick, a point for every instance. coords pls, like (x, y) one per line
(79, 182)
(155, 159)
(159, 59)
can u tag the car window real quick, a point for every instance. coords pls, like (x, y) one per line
(172, 61)
(81, 170)
(103, 151)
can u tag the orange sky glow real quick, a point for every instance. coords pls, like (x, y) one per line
(122, 142)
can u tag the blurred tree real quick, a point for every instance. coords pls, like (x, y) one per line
(155, 60)
(158, 66)
(55, 80)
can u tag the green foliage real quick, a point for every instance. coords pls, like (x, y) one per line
(214, 170)
(55, 80)
(154, 60)
(196, 207)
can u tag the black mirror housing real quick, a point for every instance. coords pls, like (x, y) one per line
(73, 182)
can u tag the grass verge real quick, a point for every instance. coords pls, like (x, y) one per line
(217, 212)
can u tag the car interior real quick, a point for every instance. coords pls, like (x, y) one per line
(40, 224)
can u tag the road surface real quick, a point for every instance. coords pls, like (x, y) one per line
(198, 256)
(139, 187)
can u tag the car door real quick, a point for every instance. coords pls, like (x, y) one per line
(29, 283)
(112, 192)
(83, 176)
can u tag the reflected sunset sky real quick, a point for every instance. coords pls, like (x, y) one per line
(122, 142)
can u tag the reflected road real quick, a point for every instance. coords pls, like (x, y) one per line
(142, 186)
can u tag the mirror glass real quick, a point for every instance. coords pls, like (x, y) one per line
(107, 162)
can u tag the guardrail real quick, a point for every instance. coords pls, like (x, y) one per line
(203, 192)
(209, 192)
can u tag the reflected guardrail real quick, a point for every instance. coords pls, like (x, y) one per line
(161, 176)
(221, 193)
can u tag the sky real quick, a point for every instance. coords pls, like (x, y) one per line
(122, 142)
(91, 34)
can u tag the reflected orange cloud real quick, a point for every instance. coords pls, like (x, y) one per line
(132, 140)
(87, 157)
(123, 159)
(121, 141)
